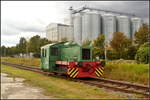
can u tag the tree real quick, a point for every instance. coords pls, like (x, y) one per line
(64, 39)
(3, 50)
(86, 42)
(8, 51)
(22, 45)
(13, 51)
(98, 46)
(130, 52)
(44, 41)
(141, 36)
(112, 54)
(120, 43)
(142, 54)
(99, 42)
(34, 44)
(17, 49)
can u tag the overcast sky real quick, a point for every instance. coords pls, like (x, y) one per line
(28, 18)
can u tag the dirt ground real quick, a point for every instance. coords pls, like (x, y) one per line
(14, 88)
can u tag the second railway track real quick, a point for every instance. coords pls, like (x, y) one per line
(98, 82)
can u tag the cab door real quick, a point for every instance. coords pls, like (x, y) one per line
(44, 59)
(54, 53)
(54, 56)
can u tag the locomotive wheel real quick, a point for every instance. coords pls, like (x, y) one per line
(55, 73)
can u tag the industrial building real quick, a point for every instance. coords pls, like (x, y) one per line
(88, 24)
(57, 31)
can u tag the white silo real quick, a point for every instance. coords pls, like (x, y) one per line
(109, 26)
(90, 26)
(77, 24)
(123, 25)
(135, 25)
(86, 27)
(96, 25)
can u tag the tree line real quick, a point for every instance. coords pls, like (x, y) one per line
(25, 47)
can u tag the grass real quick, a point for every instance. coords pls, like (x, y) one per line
(35, 62)
(60, 88)
(138, 73)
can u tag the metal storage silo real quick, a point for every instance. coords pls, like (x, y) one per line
(90, 26)
(109, 26)
(135, 25)
(95, 25)
(123, 25)
(77, 24)
(86, 27)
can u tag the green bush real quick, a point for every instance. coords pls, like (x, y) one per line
(129, 53)
(98, 52)
(142, 55)
(111, 55)
(36, 55)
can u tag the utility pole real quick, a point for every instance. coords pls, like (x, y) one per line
(105, 48)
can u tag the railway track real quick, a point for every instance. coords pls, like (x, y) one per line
(98, 82)
(120, 86)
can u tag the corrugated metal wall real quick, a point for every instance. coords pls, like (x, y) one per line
(86, 27)
(91, 26)
(109, 26)
(124, 25)
(96, 25)
(77, 23)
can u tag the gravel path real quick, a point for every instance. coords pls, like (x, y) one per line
(14, 88)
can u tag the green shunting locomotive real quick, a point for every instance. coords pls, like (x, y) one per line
(71, 59)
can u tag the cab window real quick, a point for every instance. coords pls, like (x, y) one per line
(86, 54)
(42, 52)
(45, 52)
(54, 51)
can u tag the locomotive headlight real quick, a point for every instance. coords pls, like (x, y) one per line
(75, 58)
(97, 58)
